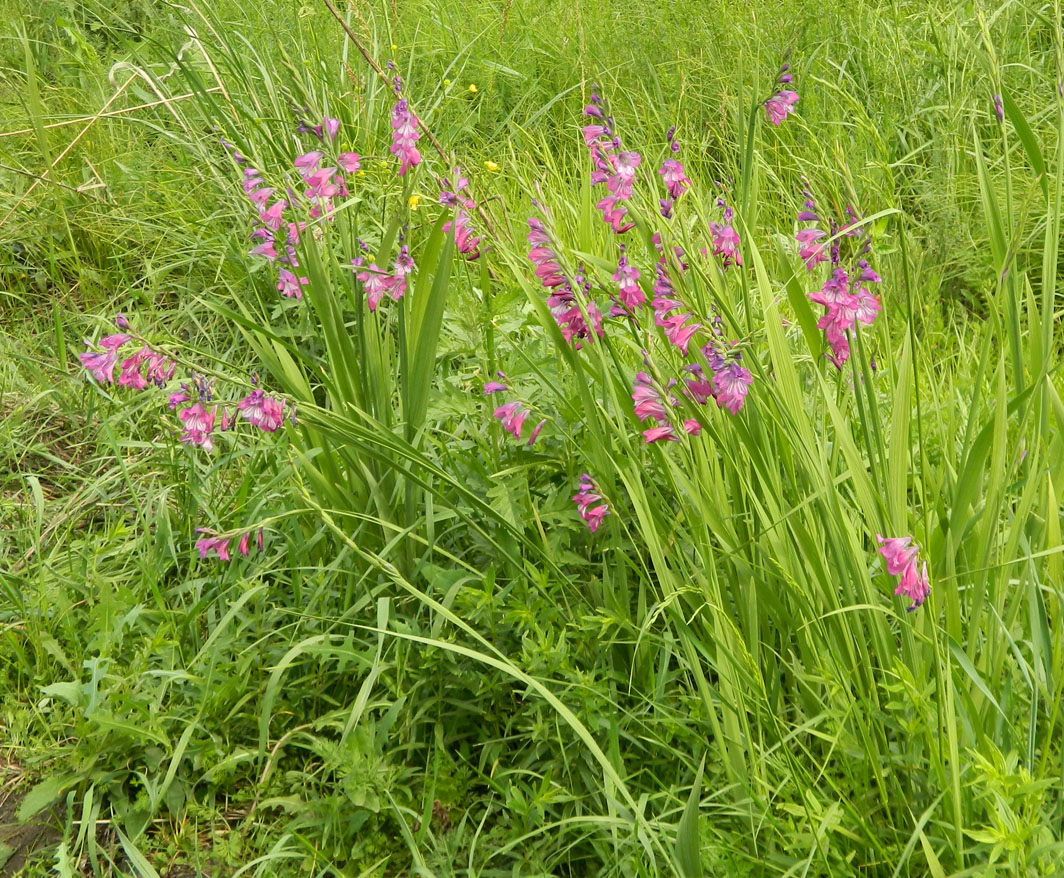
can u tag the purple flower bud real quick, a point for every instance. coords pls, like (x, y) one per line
(121, 322)
(999, 109)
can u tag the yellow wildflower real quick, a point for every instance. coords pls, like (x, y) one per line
(472, 89)
(414, 199)
(491, 166)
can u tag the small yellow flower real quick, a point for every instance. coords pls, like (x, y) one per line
(361, 174)
(447, 83)
(384, 166)
(414, 200)
(394, 47)
(491, 166)
(472, 89)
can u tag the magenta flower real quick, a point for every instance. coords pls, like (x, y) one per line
(491, 387)
(726, 243)
(616, 169)
(900, 556)
(535, 432)
(331, 126)
(730, 386)
(376, 282)
(660, 434)
(289, 285)
(263, 411)
(562, 299)
(181, 396)
(349, 161)
(676, 182)
(999, 108)
(631, 294)
(512, 417)
(131, 375)
(102, 365)
(648, 402)
(208, 544)
(811, 252)
(587, 500)
(464, 240)
(199, 424)
(405, 136)
(780, 106)
(669, 313)
(308, 163)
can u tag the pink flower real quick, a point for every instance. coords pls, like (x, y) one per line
(726, 243)
(513, 418)
(659, 434)
(377, 283)
(405, 136)
(266, 249)
(535, 432)
(331, 126)
(218, 545)
(199, 424)
(243, 547)
(623, 177)
(677, 330)
(676, 182)
(562, 300)
(181, 396)
(263, 411)
(308, 163)
(272, 218)
(730, 386)
(131, 370)
(587, 501)
(780, 106)
(491, 387)
(648, 402)
(464, 240)
(631, 294)
(901, 556)
(289, 285)
(349, 161)
(102, 365)
(811, 252)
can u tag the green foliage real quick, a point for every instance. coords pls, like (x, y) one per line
(434, 667)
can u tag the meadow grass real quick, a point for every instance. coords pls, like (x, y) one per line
(433, 666)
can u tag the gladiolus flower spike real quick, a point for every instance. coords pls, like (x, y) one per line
(901, 558)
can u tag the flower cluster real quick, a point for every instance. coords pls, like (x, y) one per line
(672, 173)
(630, 294)
(220, 545)
(512, 415)
(781, 104)
(901, 556)
(278, 236)
(562, 299)
(612, 166)
(405, 132)
(845, 294)
(726, 241)
(669, 313)
(144, 367)
(587, 500)
(464, 240)
(377, 282)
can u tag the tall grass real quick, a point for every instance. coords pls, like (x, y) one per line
(435, 666)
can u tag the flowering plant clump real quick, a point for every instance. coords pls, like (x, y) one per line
(200, 415)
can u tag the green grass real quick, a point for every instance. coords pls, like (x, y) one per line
(433, 667)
